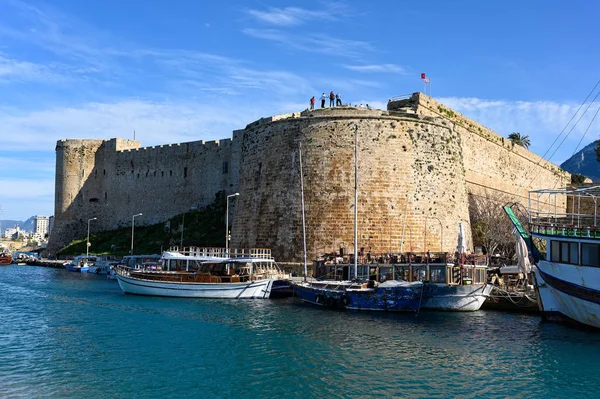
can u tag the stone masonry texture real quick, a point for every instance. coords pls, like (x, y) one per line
(418, 162)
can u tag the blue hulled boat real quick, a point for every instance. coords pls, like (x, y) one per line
(393, 296)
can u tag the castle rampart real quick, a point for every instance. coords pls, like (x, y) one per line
(418, 163)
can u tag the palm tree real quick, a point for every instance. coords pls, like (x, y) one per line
(517, 139)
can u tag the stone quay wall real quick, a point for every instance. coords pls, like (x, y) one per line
(418, 162)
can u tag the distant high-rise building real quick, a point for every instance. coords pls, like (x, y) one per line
(50, 225)
(42, 225)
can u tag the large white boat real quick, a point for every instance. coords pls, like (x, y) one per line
(564, 240)
(205, 273)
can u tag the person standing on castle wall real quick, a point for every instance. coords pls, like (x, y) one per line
(312, 103)
(331, 99)
(323, 98)
(338, 99)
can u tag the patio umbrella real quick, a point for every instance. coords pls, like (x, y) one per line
(522, 254)
(461, 247)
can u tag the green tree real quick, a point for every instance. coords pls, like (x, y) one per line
(517, 139)
(576, 178)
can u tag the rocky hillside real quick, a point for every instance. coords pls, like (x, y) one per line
(584, 163)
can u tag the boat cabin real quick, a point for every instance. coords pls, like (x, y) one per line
(438, 268)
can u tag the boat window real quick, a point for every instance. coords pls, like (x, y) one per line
(555, 254)
(418, 273)
(480, 276)
(589, 254)
(402, 273)
(565, 252)
(437, 274)
(574, 253)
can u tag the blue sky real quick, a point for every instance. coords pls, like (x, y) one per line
(185, 70)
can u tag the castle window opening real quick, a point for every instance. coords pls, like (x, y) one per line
(163, 173)
(185, 172)
(154, 173)
(105, 196)
(104, 172)
(225, 167)
(170, 173)
(95, 173)
(92, 200)
(138, 175)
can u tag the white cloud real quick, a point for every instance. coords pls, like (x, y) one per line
(542, 121)
(154, 122)
(322, 44)
(378, 68)
(290, 16)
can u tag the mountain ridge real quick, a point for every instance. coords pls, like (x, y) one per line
(584, 162)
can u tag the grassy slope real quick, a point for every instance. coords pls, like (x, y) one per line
(204, 227)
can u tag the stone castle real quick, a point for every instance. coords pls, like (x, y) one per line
(418, 162)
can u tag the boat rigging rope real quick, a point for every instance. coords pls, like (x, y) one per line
(420, 300)
(562, 131)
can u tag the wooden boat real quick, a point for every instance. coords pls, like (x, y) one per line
(391, 295)
(511, 292)
(563, 235)
(5, 258)
(446, 284)
(204, 273)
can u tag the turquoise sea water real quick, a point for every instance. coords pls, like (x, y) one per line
(69, 335)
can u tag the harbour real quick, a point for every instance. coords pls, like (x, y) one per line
(77, 335)
(185, 215)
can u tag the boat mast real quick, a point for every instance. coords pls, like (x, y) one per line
(303, 221)
(356, 201)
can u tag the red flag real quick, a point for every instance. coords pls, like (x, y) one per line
(423, 76)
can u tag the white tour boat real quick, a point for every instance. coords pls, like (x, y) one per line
(565, 243)
(204, 273)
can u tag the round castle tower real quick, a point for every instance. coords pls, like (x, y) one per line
(411, 183)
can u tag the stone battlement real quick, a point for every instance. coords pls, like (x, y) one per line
(418, 160)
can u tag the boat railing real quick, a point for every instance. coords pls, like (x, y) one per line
(218, 252)
(565, 230)
(404, 258)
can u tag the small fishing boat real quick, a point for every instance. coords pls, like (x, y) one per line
(80, 264)
(563, 235)
(204, 273)
(391, 296)
(5, 258)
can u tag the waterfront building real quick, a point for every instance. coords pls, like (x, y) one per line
(41, 226)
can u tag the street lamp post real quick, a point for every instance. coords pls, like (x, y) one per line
(87, 245)
(227, 223)
(132, 226)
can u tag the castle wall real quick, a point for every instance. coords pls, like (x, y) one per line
(418, 163)
(409, 182)
(75, 163)
(494, 166)
(115, 179)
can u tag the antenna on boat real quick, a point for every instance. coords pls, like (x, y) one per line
(356, 201)
(303, 221)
